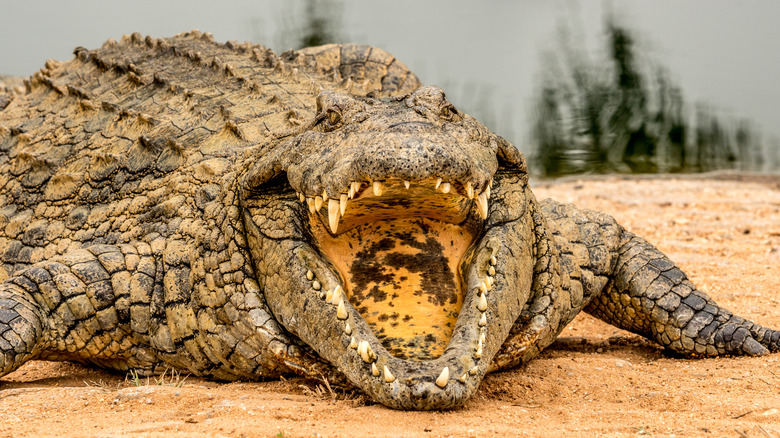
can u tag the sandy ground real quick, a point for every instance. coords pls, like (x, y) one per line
(594, 381)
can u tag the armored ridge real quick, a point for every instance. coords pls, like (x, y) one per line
(231, 213)
(9, 87)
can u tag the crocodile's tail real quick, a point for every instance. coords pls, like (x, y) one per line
(649, 295)
(21, 327)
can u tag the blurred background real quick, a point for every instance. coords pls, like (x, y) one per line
(584, 86)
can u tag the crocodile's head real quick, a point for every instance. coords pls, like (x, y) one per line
(392, 237)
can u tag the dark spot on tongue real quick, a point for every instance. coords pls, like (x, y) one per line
(437, 279)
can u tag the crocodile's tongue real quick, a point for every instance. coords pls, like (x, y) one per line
(403, 277)
(399, 255)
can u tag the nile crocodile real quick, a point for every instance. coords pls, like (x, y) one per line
(230, 213)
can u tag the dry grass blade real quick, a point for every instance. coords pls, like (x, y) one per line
(743, 414)
(763, 431)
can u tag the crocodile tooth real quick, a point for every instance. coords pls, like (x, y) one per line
(482, 338)
(473, 371)
(341, 311)
(328, 296)
(309, 275)
(478, 353)
(389, 377)
(310, 203)
(316, 285)
(322, 295)
(445, 187)
(483, 320)
(438, 183)
(351, 191)
(469, 190)
(343, 203)
(483, 287)
(365, 351)
(355, 188)
(325, 196)
(407, 184)
(462, 378)
(482, 205)
(493, 260)
(443, 378)
(301, 197)
(491, 271)
(353, 343)
(374, 370)
(487, 192)
(336, 297)
(317, 203)
(482, 303)
(489, 282)
(378, 187)
(347, 329)
(333, 215)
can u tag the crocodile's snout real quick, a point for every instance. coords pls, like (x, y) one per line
(355, 143)
(402, 276)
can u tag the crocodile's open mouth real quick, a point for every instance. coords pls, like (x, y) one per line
(407, 287)
(391, 237)
(398, 247)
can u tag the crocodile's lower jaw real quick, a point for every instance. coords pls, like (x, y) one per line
(309, 297)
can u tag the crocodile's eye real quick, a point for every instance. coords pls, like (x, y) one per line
(330, 120)
(334, 118)
(448, 112)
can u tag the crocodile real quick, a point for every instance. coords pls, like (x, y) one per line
(231, 213)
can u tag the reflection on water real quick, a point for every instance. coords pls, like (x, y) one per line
(625, 114)
(310, 23)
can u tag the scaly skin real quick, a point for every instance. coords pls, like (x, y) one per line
(233, 214)
(8, 89)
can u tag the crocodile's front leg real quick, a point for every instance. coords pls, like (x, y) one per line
(78, 307)
(646, 293)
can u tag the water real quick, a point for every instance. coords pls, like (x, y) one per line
(487, 55)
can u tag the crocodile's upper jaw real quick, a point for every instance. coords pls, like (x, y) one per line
(406, 277)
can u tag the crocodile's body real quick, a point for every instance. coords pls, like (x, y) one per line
(233, 214)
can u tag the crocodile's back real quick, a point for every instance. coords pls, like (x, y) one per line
(142, 136)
